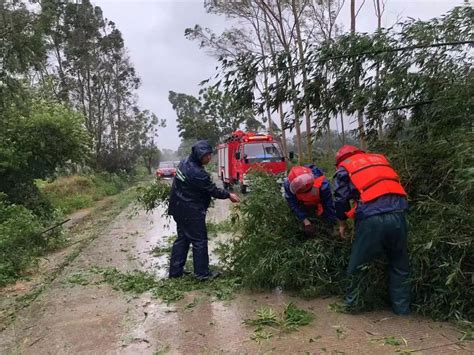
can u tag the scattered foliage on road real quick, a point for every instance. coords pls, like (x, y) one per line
(169, 290)
(290, 319)
(391, 340)
(225, 226)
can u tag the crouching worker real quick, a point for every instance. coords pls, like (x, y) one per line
(379, 213)
(309, 196)
(190, 197)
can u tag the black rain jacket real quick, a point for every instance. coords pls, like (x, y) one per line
(192, 187)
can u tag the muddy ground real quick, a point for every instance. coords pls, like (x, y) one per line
(70, 318)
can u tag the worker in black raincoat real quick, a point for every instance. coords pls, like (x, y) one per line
(190, 197)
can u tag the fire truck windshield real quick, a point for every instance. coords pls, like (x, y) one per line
(262, 152)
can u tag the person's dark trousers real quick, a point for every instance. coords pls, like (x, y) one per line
(191, 229)
(375, 236)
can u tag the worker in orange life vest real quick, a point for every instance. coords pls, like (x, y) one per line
(379, 213)
(309, 196)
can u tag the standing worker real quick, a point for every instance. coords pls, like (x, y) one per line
(190, 197)
(380, 224)
(309, 196)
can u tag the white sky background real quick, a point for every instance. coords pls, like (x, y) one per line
(165, 60)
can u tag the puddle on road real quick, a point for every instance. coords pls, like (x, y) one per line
(212, 326)
(161, 228)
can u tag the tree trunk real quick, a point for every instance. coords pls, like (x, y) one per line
(277, 79)
(280, 31)
(148, 165)
(378, 13)
(283, 130)
(265, 74)
(63, 92)
(286, 47)
(309, 148)
(353, 17)
(342, 128)
(360, 115)
(118, 102)
(329, 137)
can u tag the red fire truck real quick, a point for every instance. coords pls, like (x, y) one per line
(243, 151)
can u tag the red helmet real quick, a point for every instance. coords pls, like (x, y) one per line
(345, 152)
(301, 179)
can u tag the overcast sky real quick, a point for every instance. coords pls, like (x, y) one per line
(165, 60)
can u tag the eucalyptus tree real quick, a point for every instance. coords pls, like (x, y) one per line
(360, 116)
(192, 123)
(270, 50)
(236, 47)
(277, 16)
(247, 38)
(90, 70)
(226, 110)
(379, 8)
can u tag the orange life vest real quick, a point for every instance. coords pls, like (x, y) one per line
(373, 176)
(312, 197)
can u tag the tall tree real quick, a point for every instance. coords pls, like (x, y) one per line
(379, 7)
(90, 70)
(298, 9)
(277, 20)
(192, 123)
(360, 114)
(223, 109)
(271, 45)
(238, 40)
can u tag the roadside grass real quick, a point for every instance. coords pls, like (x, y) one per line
(78, 279)
(392, 340)
(70, 193)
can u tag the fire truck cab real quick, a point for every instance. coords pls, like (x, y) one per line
(243, 151)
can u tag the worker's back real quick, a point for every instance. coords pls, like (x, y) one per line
(192, 187)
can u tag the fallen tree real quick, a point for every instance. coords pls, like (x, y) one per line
(269, 252)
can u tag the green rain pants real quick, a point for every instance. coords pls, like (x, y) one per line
(377, 236)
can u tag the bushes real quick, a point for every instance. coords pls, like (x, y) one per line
(268, 252)
(33, 144)
(20, 240)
